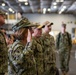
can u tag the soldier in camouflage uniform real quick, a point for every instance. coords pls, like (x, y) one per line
(48, 43)
(64, 44)
(37, 48)
(21, 59)
(3, 47)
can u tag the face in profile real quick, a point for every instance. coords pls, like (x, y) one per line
(47, 28)
(63, 28)
(39, 32)
(2, 20)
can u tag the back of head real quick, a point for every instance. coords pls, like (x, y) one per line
(20, 34)
(63, 25)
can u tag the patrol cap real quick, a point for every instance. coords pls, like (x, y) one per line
(23, 23)
(38, 26)
(63, 25)
(48, 23)
(2, 13)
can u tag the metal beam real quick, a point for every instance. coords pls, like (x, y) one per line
(19, 5)
(9, 4)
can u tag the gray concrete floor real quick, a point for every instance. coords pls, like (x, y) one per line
(72, 65)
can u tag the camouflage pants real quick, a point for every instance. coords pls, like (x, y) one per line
(64, 58)
(50, 69)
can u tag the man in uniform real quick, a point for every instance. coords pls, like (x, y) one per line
(21, 58)
(48, 43)
(37, 48)
(64, 44)
(3, 47)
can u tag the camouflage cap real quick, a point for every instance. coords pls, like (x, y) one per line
(38, 26)
(23, 23)
(63, 25)
(2, 12)
(47, 23)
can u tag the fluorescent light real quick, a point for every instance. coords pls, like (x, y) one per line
(54, 3)
(55, 7)
(26, 3)
(49, 9)
(3, 4)
(10, 9)
(13, 12)
(44, 10)
(64, 7)
(61, 0)
(60, 12)
(6, 13)
(57, 0)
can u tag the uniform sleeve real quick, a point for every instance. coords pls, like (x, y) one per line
(3, 45)
(3, 54)
(70, 39)
(16, 56)
(53, 44)
(22, 58)
(29, 60)
(57, 42)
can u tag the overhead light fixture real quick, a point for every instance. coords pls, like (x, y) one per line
(55, 7)
(44, 10)
(49, 9)
(26, 3)
(54, 3)
(63, 8)
(60, 12)
(10, 9)
(6, 13)
(13, 12)
(59, 0)
(3, 4)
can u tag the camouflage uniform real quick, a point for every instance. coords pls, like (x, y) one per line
(49, 59)
(21, 60)
(64, 44)
(3, 52)
(38, 54)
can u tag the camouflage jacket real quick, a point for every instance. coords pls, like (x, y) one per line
(48, 47)
(3, 54)
(63, 41)
(38, 54)
(49, 59)
(21, 60)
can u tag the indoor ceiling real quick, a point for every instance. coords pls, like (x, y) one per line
(39, 6)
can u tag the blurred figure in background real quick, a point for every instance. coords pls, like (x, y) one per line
(64, 45)
(3, 47)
